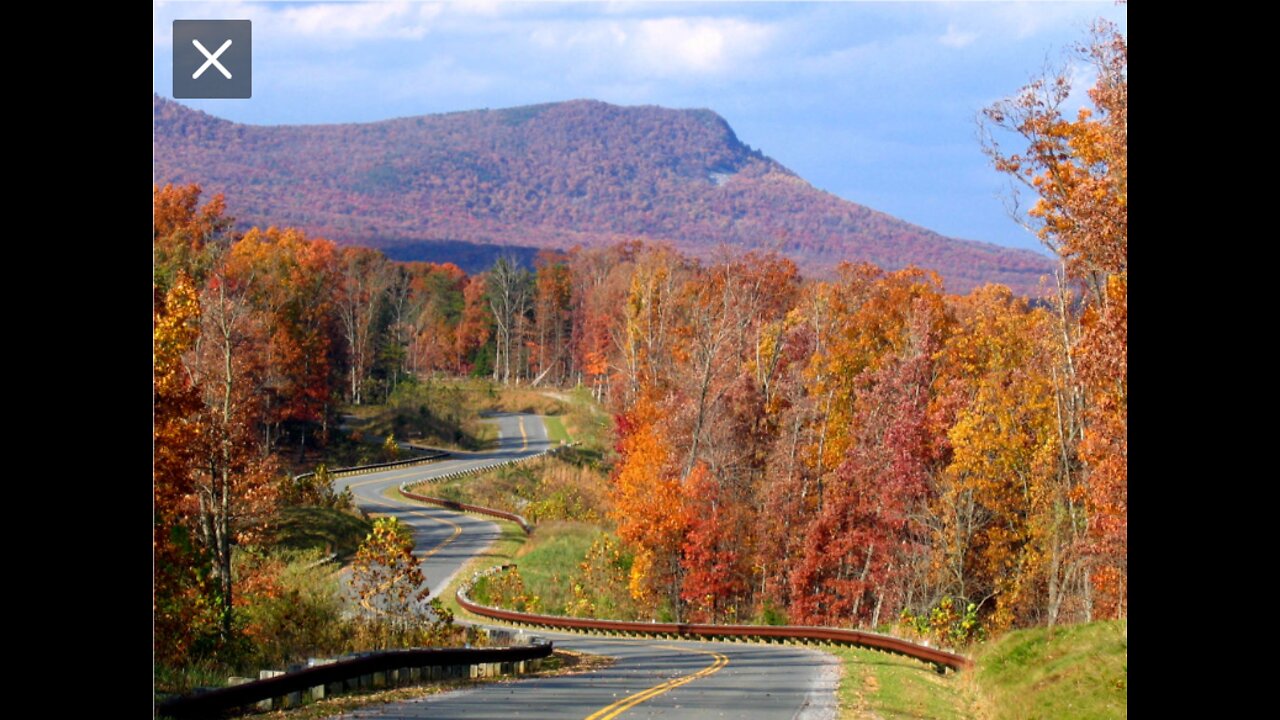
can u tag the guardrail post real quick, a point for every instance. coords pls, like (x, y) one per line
(233, 680)
(293, 699)
(263, 675)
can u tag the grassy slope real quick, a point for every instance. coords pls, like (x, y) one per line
(555, 429)
(550, 559)
(880, 685)
(325, 529)
(1075, 672)
(446, 414)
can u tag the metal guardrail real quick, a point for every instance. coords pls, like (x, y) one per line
(214, 702)
(491, 466)
(464, 507)
(940, 659)
(360, 469)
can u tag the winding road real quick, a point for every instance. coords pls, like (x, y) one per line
(447, 540)
(651, 678)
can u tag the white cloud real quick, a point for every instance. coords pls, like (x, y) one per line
(666, 46)
(361, 21)
(955, 38)
(483, 8)
(660, 47)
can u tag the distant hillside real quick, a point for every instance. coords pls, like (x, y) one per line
(554, 175)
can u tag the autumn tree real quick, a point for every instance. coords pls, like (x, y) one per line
(553, 295)
(365, 276)
(648, 507)
(865, 553)
(391, 589)
(181, 583)
(1078, 168)
(717, 549)
(601, 280)
(1007, 521)
(180, 230)
(234, 492)
(509, 296)
(213, 483)
(436, 306)
(643, 338)
(293, 288)
(475, 328)
(721, 307)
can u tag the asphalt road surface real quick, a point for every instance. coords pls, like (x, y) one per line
(446, 540)
(651, 678)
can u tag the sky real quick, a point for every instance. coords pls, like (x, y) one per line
(874, 102)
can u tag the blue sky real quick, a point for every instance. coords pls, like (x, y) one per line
(874, 102)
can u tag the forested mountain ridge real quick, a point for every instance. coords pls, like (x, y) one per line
(552, 175)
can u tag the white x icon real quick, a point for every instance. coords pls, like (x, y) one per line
(213, 59)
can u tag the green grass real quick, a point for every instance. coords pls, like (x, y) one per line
(1077, 672)
(547, 561)
(434, 413)
(1074, 672)
(550, 559)
(555, 429)
(177, 681)
(548, 489)
(880, 685)
(589, 425)
(448, 413)
(324, 529)
(524, 400)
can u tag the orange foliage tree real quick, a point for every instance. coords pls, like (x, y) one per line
(1079, 170)
(648, 506)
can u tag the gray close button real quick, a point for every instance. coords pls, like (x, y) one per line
(212, 59)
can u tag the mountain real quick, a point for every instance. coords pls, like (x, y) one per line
(554, 175)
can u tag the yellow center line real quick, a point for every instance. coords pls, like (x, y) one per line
(626, 704)
(524, 439)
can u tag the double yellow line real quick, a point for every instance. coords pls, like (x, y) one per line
(626, 704)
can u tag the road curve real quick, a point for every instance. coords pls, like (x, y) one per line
(446, 540)
(673, 679)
